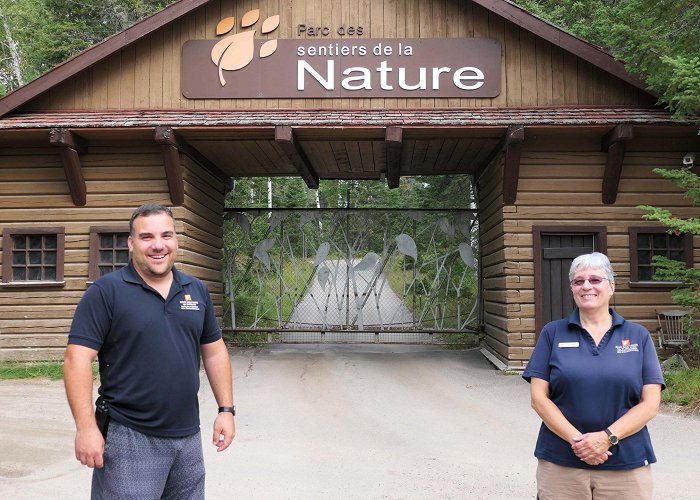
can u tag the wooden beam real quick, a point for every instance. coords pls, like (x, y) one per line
(619, 133)
(167, 136)
(169, 144)
(614, 143)
(511, 170)
(394, 146)
(70, 145)
(64, 137)
(284, 136)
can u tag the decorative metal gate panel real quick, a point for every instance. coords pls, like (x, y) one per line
(351, 275)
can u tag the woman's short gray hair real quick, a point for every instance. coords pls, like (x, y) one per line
(595, 260)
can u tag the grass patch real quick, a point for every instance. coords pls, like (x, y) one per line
(52, 370)
(12, 370)
(683, 389)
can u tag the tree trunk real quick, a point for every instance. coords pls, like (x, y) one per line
(16, 61)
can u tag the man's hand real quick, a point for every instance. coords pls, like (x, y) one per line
(224, 430)
(592, 447)
(90, 447)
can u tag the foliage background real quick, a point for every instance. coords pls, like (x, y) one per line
(39, 34)
(658, 39)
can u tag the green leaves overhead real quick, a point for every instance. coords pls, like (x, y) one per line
(657, 39)
(48, 32)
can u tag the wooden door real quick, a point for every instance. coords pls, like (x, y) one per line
(554, 252)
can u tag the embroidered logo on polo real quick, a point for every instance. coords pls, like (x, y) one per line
(626, 347)
(188, 304)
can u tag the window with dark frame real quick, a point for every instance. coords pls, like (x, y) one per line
(109, 250)
(646, 242)
(33, 255)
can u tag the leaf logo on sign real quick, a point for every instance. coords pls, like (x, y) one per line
(236, 51)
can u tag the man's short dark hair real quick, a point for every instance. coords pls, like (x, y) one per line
(146, 210)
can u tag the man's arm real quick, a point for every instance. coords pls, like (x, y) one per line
(77, 376)
(217, 365)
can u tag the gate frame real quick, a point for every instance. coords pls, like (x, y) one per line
(477, 330)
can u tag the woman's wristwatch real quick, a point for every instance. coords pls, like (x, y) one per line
(612, 437)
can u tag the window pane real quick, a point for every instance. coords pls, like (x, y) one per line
(35, 242)
(676, 255)
(643, 241)
(643, 257)
(50, 241)
(122, 240)
(106, 257)
(105, 270)
(676, 241)
(645, 274)
(18, 273)
(19, 258)
(50, 273)
(106, 240)
(660, 241)
(35, 258)
(20, 242)
(50, 258)
(122, 257)
(34, 273)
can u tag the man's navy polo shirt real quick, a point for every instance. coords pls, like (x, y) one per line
(148, 348)
(593, 386)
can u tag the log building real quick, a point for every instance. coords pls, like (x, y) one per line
(559, 138)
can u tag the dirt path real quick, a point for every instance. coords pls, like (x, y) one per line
(342, 421)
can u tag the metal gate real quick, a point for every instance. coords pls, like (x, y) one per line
(351, 275)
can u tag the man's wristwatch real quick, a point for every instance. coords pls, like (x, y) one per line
(612, 437)
(230, 409)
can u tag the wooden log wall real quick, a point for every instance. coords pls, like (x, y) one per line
(501, 301)
(201, 240)
(146, 74)
(119, 177)
(562, 187)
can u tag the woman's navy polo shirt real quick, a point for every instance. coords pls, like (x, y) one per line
(148, 348)
(593, 386)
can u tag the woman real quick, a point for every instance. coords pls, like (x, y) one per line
(595, 380)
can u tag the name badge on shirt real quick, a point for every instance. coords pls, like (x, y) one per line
(568, 344)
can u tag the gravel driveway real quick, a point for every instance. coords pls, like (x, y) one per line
(342, 421)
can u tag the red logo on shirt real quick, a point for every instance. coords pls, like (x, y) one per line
(626, 343)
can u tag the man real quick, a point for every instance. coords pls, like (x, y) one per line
(147, 323)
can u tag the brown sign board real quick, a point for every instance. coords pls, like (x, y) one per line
(418, 68)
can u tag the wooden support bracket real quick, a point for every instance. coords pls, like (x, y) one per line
(614, 143)
(511, 171)
(284, 136)
(394, 146)
(70, 147)
(170, 144)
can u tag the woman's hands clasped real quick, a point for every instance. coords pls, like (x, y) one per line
(592, 447)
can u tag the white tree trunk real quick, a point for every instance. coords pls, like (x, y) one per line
(16, 61)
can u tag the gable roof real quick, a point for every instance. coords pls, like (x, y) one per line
(96, 53)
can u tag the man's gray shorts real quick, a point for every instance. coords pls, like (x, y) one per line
(137, 466)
